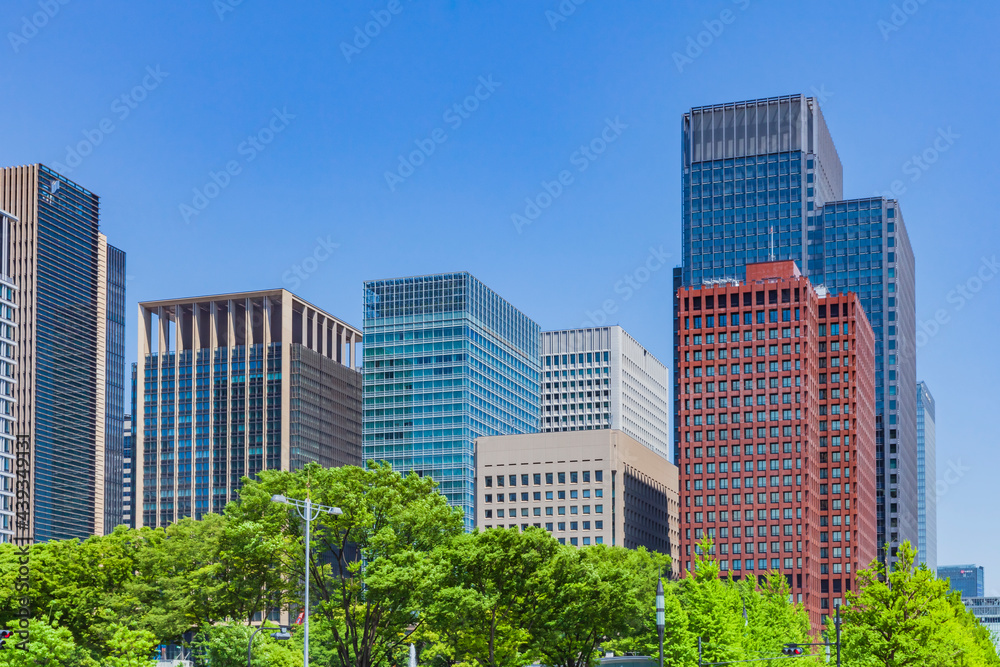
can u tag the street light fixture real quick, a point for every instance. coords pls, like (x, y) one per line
(660, 611)
(281, 635)
(308, 511)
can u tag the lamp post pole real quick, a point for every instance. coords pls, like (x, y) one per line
(660, 609)
(308, 511)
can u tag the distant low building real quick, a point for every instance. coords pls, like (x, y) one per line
(987, 610)
(969, 580)
(584, 487)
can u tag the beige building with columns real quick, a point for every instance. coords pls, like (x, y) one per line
(235, 384)
(584, 487)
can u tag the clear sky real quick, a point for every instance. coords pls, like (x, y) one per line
(245, 144)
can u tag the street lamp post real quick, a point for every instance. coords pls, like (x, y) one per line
(281, 634)
(660, 609)
(308, 511)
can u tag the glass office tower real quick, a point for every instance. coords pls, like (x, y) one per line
(969, 580)
(762, 180)
(69, 299)
(114, 415)
(926, 477)
(446, 360)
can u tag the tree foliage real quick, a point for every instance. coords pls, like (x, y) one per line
(370, 565)
(907, 617)
(396, 568)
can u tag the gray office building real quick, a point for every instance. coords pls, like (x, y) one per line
(762, 180)
(69, 366)
(969, 580)
(926, 478)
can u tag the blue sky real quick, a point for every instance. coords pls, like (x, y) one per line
(245, 144)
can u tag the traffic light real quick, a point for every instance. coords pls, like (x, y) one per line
(791, 650)
(4, 636)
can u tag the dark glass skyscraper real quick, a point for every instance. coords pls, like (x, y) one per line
(762, 180)
(969, 580)
(446, 361)
(114, 411)
(59, 262)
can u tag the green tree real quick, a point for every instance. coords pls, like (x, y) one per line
(128, 647)
(907, 617)
(368, 566)
(771, 619)
(589, 596)
(86, 586)
(486, 596)
(713, 607)
(178, 581)
(226, 646)
(643, 638)
(49, 646)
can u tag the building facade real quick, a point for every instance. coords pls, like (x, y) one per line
(602, 378)
(591, 487)
(987, 610)
(8, 357)
(232, 385)
(67, 366)
(969, 580)
(926, 477)
(447, 361)
(129, 458)
(777, 432)
(762, 180)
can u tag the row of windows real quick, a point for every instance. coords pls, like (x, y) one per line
(537, 511)
(575, 359)
(536, 478)
(562, 540)
(573, 494)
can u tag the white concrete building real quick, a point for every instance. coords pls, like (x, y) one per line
(602, 378)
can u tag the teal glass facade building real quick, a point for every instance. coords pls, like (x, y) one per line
(761, 180)
(446, 361)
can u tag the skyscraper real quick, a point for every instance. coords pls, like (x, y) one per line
(447, 360)
(777, 432)
(602, 378)
(8, 463)
(129, 459)
(67, 370)
(969, 580)
(762, 180)
(234, 384)
(926, 477)
(114, 415)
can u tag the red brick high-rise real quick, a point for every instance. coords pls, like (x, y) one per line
(777, 431)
